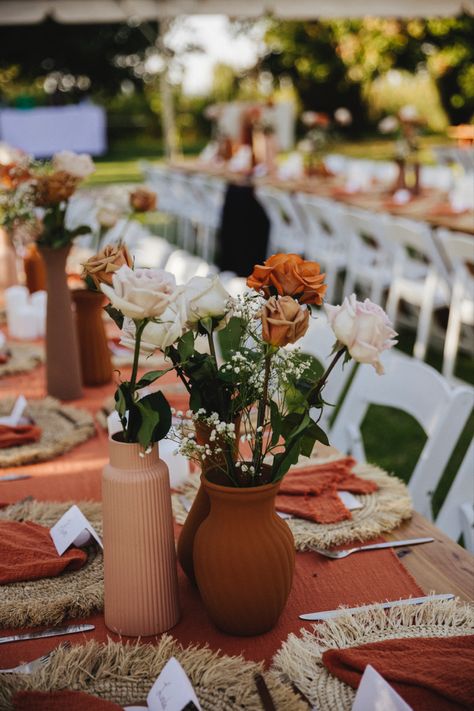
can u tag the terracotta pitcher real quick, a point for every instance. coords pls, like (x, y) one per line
(200, 508)
(96, 365)
(35, 272)
(244, 558)
(140, 573)
(63, 370)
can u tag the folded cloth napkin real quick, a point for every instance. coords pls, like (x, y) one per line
(61, 701)
(311, 493)
(16, 436)
(429, 673)
(27, 552)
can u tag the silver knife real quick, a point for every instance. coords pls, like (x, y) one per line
(15, 477)
(53, 632)
(328, 614)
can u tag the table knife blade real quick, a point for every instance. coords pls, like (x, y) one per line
(328, 614)
(53, 632)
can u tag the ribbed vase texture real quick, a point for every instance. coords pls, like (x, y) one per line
(96, 365)
(140, 573)
(244, 558)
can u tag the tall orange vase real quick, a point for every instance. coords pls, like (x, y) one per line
(94, 353)
(244, 558)
(140, 572)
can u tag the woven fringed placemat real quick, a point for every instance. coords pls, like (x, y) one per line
(381, 511)
(63, 427)
(49, 601)
(299, 661)
(23, 357)
(124, 673)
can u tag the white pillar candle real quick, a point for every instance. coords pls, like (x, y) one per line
(15, 297)
(39, 300)
(177, 464)
(23, 324)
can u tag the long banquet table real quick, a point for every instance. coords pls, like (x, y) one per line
(440, 567)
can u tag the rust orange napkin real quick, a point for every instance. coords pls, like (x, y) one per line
(61, 701)
(430, 674)
(16, 436)
(27, 552)
(312, 493)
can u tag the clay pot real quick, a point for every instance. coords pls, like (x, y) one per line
(244, 558)
(96, 365)
(8, 271)
(63, 370)
(140, 574)
(35, 271)
(200, 508)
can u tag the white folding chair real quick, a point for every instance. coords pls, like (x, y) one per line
(152, 251)
(287, 233)
(418, 389)
(184, 266)
(419, 276)
(456, 515)
(459, 250)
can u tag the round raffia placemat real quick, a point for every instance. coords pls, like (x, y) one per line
(300, 658)
(63, 427)
(49, 601)
(381, 511)
(23, 357)
(124, 673)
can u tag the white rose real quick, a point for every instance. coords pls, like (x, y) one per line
(107, 216)
(141, 293)
(205, 298)
(364, 328)
(389, 124)
(77, 165)
(160, 333)
(343, 116)
(409, 113)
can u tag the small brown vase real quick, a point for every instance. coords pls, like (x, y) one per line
(63, 369)
(201, 505)
(140, 574)
(96, 365)
(8, 270)
(35, 272)
(244, 559)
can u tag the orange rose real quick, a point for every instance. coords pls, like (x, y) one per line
(143, 200)
(283, 321)
(289, 275)
(102, 266)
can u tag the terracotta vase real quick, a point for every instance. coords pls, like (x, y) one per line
(96, 364)
(244, 559)
(63, 369)
(35, 272)
(8, 270)
(140, 573)
(201, 505)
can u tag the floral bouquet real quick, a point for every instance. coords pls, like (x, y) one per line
(321, 132)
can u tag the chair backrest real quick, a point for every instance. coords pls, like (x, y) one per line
(417, 243)
(152, 251)
(458, 249)
(184, 266)
(287, 232)
(456, 513)
(418, 389)
(370, 229)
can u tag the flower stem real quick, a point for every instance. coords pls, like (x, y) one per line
(324, 377)
(140, 327)
(262, 406)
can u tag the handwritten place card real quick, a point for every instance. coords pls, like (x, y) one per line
(374, 694)
(172, 691)
(14, 418)
(349, 500)
(73, 528)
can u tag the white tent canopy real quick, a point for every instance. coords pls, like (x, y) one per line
(18, 12)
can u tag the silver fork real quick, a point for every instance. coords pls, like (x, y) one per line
(375, 546)
(35, 664)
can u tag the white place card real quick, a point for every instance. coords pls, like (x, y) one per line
(172, 691)
(374, 694)
(349, 500)
(73, 528)
(14, 418)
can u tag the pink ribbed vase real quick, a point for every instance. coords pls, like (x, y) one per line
(140, 573)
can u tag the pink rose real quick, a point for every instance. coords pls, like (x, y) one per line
(364, 328)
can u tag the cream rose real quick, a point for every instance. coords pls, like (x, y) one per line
(141, 293)
(364, 328)
(205, 298)
(157, 334)
(78, 165)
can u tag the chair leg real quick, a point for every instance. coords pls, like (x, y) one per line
(453, 332)
(393, 301)
(426, 314)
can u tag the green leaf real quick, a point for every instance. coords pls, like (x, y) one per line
(120, 402)
(81, 230)
(231, 336)
(114, 314)
(276, 422)
(150, 377)
(185, 346)
(283, 461)
(312, 434)
(155, 415)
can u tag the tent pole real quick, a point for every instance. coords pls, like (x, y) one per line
(170, 137)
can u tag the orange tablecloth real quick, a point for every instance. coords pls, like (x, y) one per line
(319, 583)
